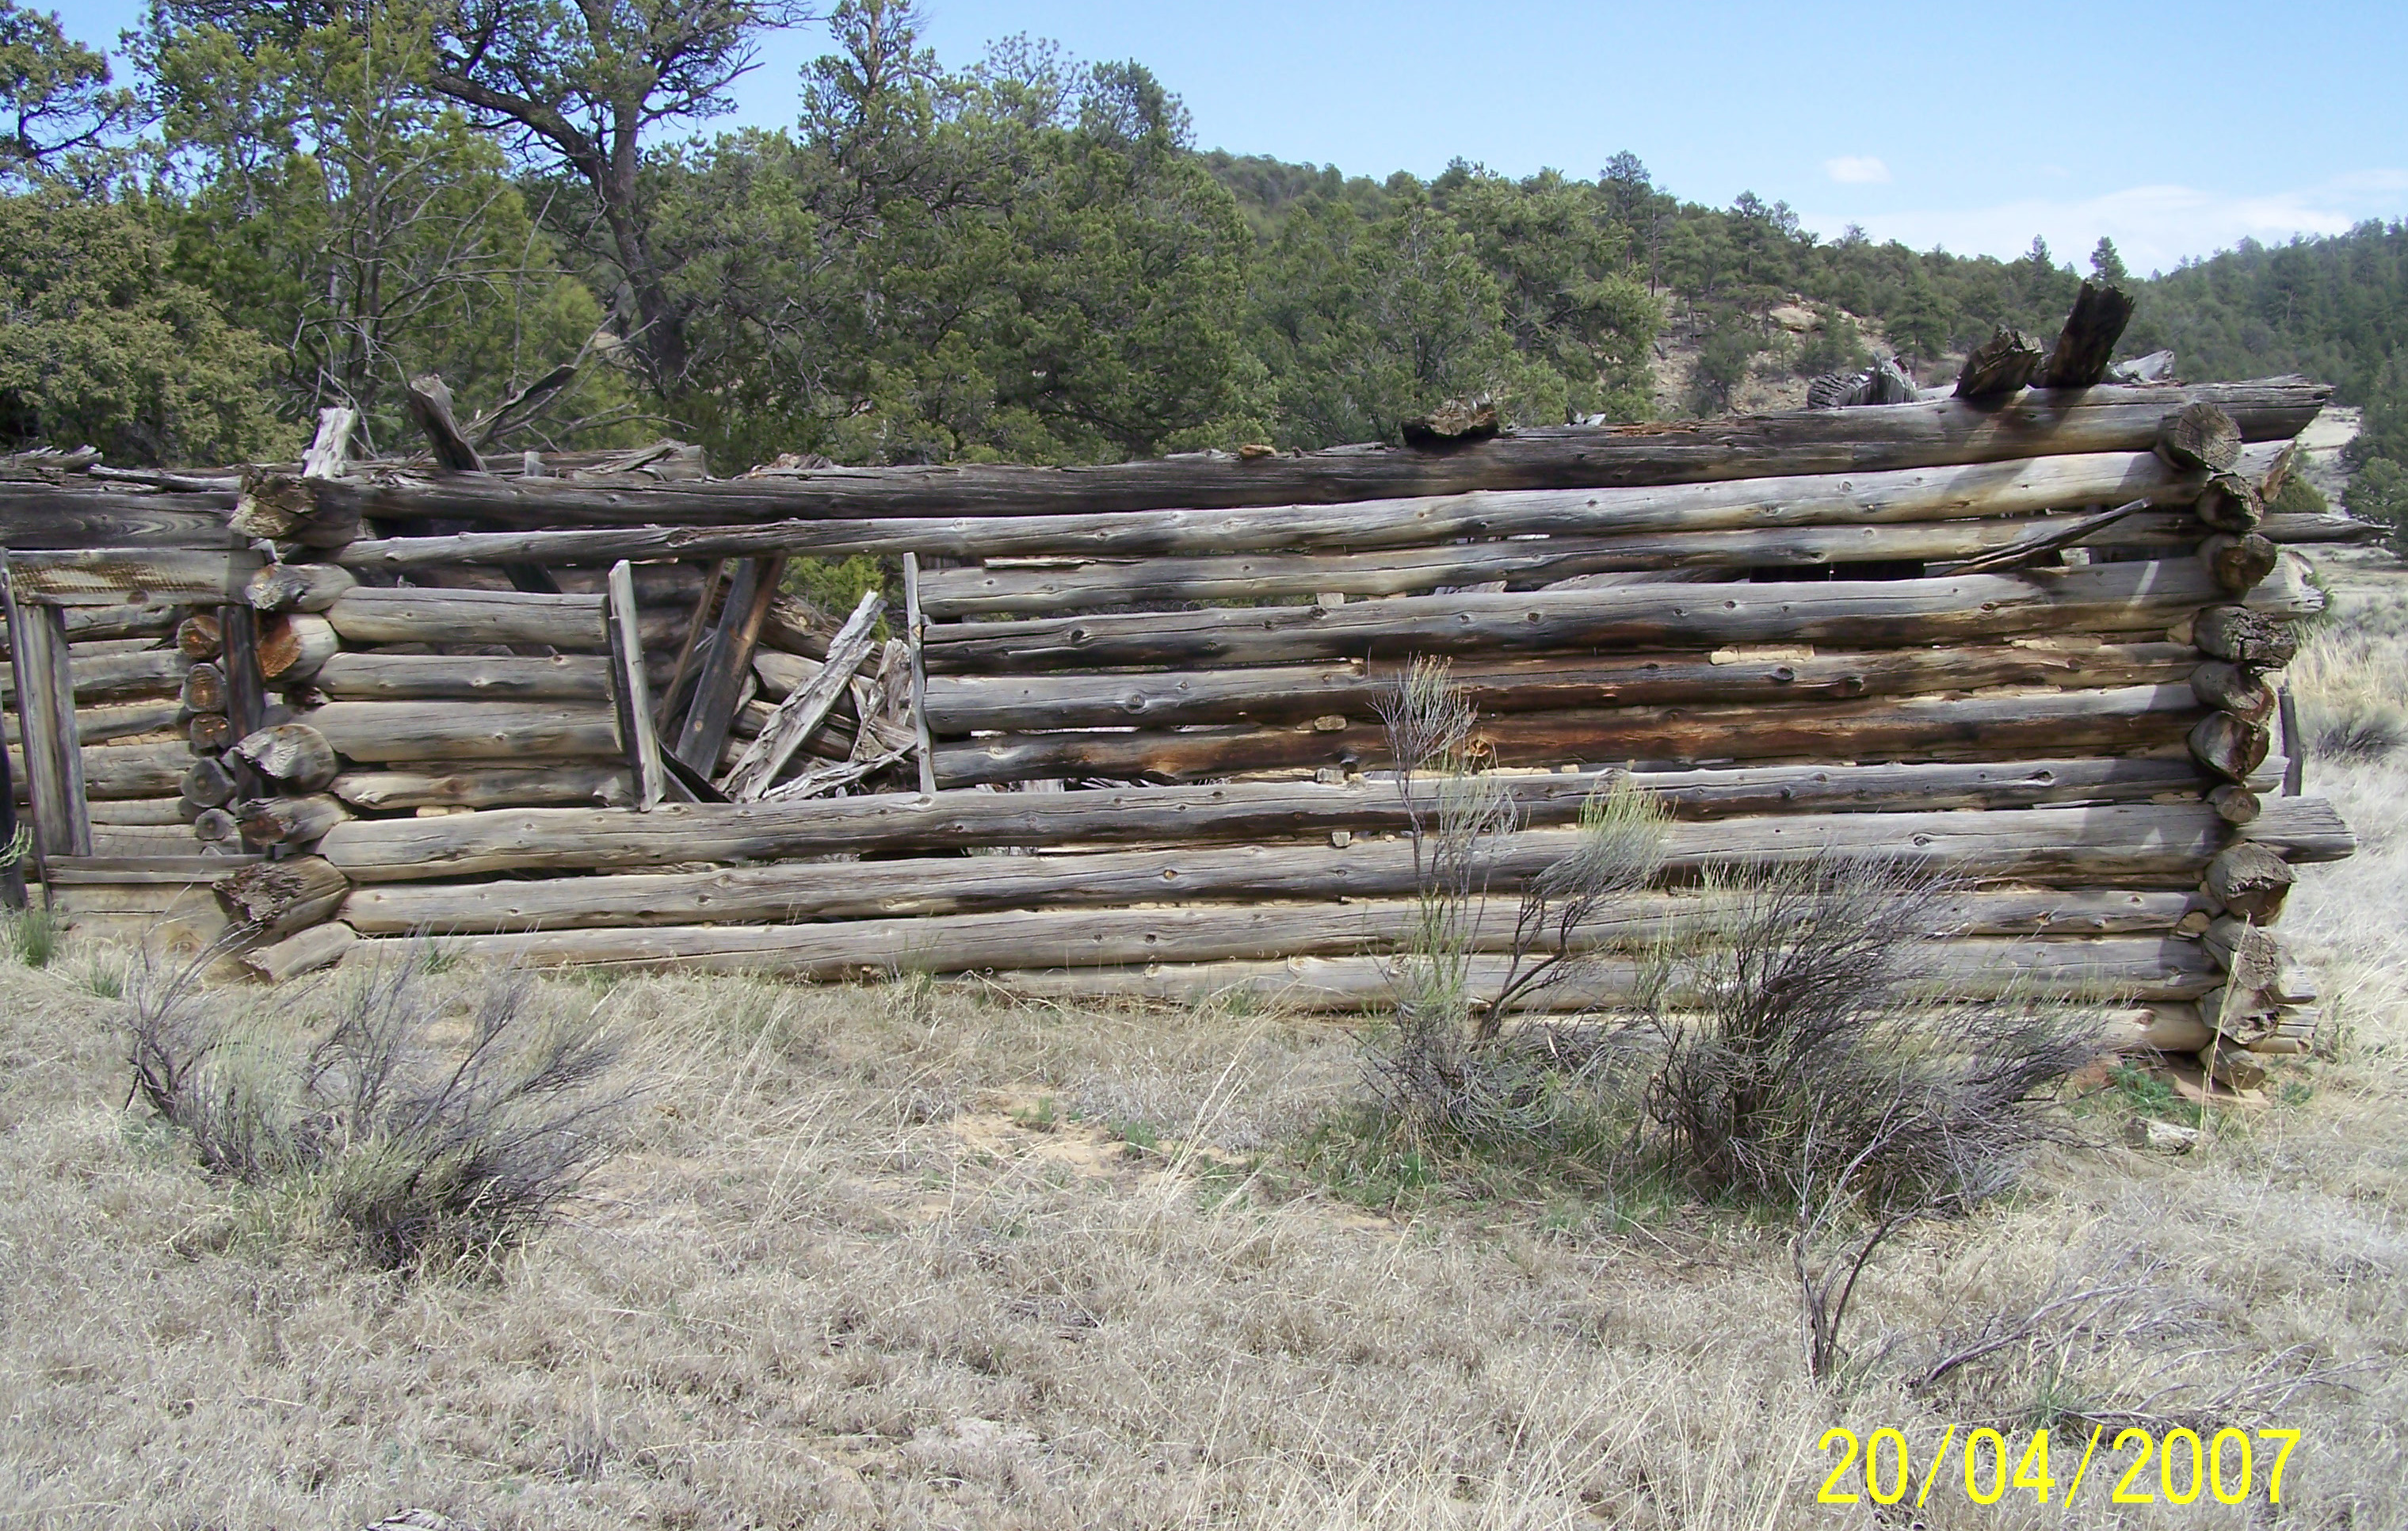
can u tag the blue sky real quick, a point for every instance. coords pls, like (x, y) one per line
(2174, 129)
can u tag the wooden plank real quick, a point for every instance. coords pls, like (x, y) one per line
(721, 674)
(1947, 431)
(807, 705)
(113, 576)
(631, 703)
(1950, 493)
(142, 675)
(46, 721)
(62, 518)
(2124, 597)
(916, 637)
(1775, 675)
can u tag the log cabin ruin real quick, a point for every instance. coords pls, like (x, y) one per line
(1124, 739)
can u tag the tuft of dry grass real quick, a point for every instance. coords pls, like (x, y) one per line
(2351, 680)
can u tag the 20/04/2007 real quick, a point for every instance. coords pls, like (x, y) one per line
(2223, 1467)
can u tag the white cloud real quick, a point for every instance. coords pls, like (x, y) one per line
(1856, 170)
(2154, 227)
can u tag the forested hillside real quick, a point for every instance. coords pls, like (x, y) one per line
(1023, 258)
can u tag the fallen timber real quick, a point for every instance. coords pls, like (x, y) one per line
(2108, 598)
(2035, 423)
(585, 839)
(963, 704)
(1947, 493)
(2124, 968)
(1912, 728)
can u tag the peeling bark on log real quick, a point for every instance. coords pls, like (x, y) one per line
(2200, 437)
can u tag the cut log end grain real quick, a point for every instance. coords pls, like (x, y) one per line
(2239, 561)
(2242, 636)
(293, 646)
(198, 637)
(208, 733)
(2229, 503)
(290, 820)
(2235, 803)
(2249, 880)
(214, 826)
(278, 897)
(2250, 956)
(207, 783)
(2229, 747)
(2199, 436)
(272, 504)
(293, 754)
(298, 587)
(2229, 688)
(204, 689)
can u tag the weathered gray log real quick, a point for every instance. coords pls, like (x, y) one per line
(2310, 527)
(430, 405)
(119, 771)
(2235, 802)
(2294, 744)
(330, 449)
(2200, 437)
(631, 701)
(44, 683)
(450, 731)
(567, 839)
(111, 577)
(2083, 347)
(292, 647)
(121, 677)
(916, 640)
(278, 897)
(2229, 503)
(1844, 441)
(2255, 640)
(1366, 868)
(2232, 1067)
(204, 689)
(352, 676)
(1777, 674)
(298, 587)
(370, 615)
(67, 516)
(2230, 688)
(215, 827)
(273, 504)
(289, 821)
(294, 753)
(1914, 728)
(198, 637)
(2137, 967)
(305, 951)
(1523, 563)
(2123, 597)
(2042, 546)
(807, 705)
(111, 721)
(1948, 493)
(2229, 746)
(207, 783)
(2250, 881)
(208, 733)
(2239, 563)
(564, 783)
(145, 813)
(2000, 365)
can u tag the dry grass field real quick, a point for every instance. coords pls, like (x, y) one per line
(923, 1256)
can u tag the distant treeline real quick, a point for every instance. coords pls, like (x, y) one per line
(1026, 259)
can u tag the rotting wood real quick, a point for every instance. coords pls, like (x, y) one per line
(111, 577)
(720, 675)
(2035, 423)
(208, 733)
(807, 705)
(430, 405)
(1910, 728)
(916, 638)
(2231, 688)
(2085, 345)
(53, 765)
(2250, 880)
(2235, 802)
(204, 689)
(962, 703)
(277, 898)
(2229, 746)
(2000, 365)
(2239, 563)
(2255, 640)
(1947, 492)
(2229, 503)
(2249, 954)
(308, 950)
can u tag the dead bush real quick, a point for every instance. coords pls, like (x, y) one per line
(425, 1125)
(1812, 1059)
